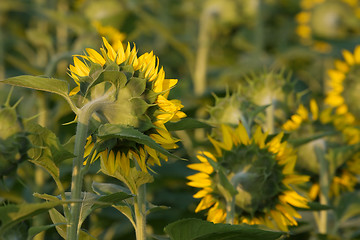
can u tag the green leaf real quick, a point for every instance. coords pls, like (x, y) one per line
(52, 85)
(127, 210)
(315, 206)
(151, 208)
(9, 125)
(108, 188)
(60, 224)
(196, 229)
(60, 221)
(33, 231)
(11, 215)
(88, 200)
(186, 124)
(112, 199)
(224, 181)
(46, 197)
(47, 150)
(348, 206)
(300, 141)
(107, 131)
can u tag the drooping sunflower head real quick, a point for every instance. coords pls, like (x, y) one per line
(261, 171)
(343, 94)
(136, 94)
(326, 20)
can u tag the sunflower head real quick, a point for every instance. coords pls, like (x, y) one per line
(326, 19)
(261, 172)
(342, 95)
(133, 93)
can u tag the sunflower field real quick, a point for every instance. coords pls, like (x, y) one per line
(180, 119)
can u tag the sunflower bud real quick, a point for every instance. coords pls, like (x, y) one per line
(13, 142)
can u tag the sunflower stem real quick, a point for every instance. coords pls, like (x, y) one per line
(140, 213)
(324, 188)
(205, 27)
(76, 183)
(259, 28)
(84, 116)
(230, 210)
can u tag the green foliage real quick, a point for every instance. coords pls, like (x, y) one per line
(196, 229)
(11, 215)
(52, 85)
(47, 152)
(186, 124)
(107, 131)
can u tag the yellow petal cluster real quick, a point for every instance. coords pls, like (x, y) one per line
(301, 115)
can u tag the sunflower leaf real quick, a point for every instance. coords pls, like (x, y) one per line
(300, 141)
(224, 181)
(10, 215)
(348, 206)
(108, 131)
(60, 224)
(47, 150)
(196, 229)
(108, 188)
(186, 124)
(33, 231)
(46, 84)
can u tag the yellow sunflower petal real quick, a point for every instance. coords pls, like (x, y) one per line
(349, 58)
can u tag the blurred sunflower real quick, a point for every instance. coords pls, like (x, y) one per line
(261, 171)
(344, 178)
(326, 19)
(137, 92)
(301, 115)
(343, 94)
(114, 35)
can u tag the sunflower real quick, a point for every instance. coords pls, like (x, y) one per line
(328, 19)
(344, 179)
(251, 165)
(137, 92)
(343, 94)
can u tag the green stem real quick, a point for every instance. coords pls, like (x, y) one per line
(230, 210)
(324, 188)
(259, 28)
(76, 183)
(140, 213)
(202, 51)
(270, 118)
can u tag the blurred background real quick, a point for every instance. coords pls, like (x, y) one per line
(211, 46)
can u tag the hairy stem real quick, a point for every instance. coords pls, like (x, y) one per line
(230, 210)
(324, 188)
(76, 183)
(77, 177)
(140, 213)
